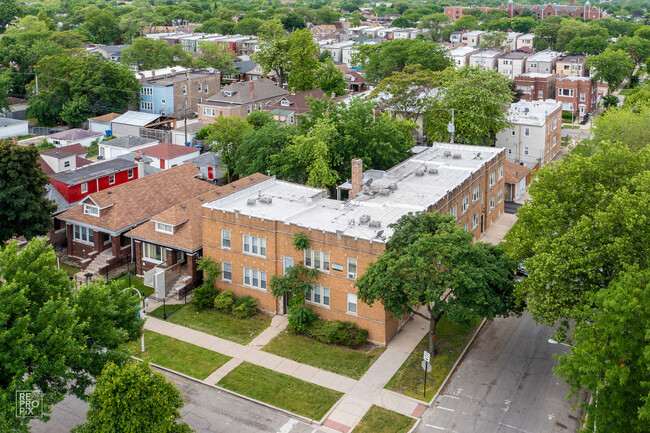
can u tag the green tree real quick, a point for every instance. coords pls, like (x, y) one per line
(612, 67)
(292, 21)
(67, 40)
(249, 26)
(637, 48)
(216, 25)
(147, 53)
(303, 58)
(494, 41)
(583, 227)
(9, 9)
(74, 111)
(587, 45)
(430, 261)
(381, 60)
(523, 25)
(402, 22)
(258, 146)
(546, 33)
(477, 98)
(466, 22)
(217, 56)
(55, 339)
(434, 25)
(100, 26)
(5, 86)
(626, 126)
(22, 186)
(273, 52)
(610, 357)
(330, 79)
(28, 30)
(225, 136)
(327, 15)
(133, 398)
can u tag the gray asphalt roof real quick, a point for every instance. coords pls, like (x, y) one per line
(93, 171)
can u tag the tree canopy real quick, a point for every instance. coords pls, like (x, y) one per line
(611, 66)
(147, 53)
(431, 262)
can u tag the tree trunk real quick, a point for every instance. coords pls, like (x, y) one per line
(432, 334)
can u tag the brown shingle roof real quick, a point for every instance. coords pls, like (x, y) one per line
(136, 201)
(297, 102)
(241, 92)
(106, 117)
(186, 218)
(515, 173)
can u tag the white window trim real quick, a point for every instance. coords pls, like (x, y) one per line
(223, 272)
(80, 238)
(259, 279)
(310, 295)
(355, 303)
(84, 187)
(261, 244)
(321, 260)
(130, 173)
(90, 209)
(353, 275)
(164, 228)
(149, 259)
(223, 238)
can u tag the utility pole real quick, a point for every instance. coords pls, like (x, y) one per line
(185, 107)
(451, 127)
(36, 84)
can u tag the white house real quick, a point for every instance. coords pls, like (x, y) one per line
(72, 136)
(460, 55)
(525, 42)
(535, 135)
(511, 40)
(13, 127)
(119, 146)
(336, 49)
(102, 123)
(485, 59)
(178, 134)
(167, 155)
(513, 64)
(473, 38)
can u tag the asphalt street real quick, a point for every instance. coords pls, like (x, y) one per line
(576, 133)
(505, 384)
(206, 410)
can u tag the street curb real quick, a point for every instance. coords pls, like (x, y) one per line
(227, 391)
(417, 423)
(460, 358)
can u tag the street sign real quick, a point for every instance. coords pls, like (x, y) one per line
(427, 356)
(426, 366)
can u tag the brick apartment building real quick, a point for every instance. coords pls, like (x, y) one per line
(578, 95)
(239, 99)
(536, 86)
(250, 232)
(540, 11)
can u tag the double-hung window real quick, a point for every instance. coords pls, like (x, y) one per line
(465, 203)
(317, 259)
(152, 252)
(319, 295)
(226, 273)
(352, 303)
(287, 262)
(500, 171)
(500, 195)
(453, 210)
(255, 278)
(475, 220)
(254, 245)
(225, 238)
(83, 234)
(476, 194)
(352, 268)
(491, 203)
(492, 179)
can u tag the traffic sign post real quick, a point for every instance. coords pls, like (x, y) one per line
(426, 367)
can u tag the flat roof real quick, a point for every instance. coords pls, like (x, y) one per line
(532, 112)
(462, 51)
(487, 54)
(544, 56)
(5, 121)
(136, 118)
(392, 194)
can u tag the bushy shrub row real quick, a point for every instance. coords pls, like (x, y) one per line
(243, 307)
(303, 320)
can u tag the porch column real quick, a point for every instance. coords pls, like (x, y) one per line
(70, 237)
(170, 257)
(137, 251)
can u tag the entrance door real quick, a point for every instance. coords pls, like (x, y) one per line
(287, 262)
(285, 303)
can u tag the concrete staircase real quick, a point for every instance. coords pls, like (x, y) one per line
(99, 262)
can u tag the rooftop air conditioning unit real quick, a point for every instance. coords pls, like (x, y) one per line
(447, 154)
(374, 224)
(363, 219)
(432, 171)
(266, 200)
(419, 173)
(251, 202)
(457, 156)
(392, 186)
(384, 191)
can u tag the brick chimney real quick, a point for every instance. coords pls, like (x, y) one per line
(252, 89)
(139, 162)
(293, 90)
(357, 177)
(14, 140)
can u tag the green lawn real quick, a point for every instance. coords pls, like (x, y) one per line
(158, 313)
(569, 126)
(220, 324)
(627, 92)
(409, 379)
(286, 392)
(71, 270)
(380, 420)
(177, 355)
(337, 359)
(123, 282)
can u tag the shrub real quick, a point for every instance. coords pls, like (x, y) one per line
(244, 307)
(300, 316)
(337, 332)
(225, 301)
(204, 296)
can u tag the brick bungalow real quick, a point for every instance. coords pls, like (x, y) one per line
(96, 227)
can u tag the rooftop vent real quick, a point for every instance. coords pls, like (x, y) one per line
(266, 200)
(447, 154)
(251, 202)
(478, 156)
(432, 171)
(457, 156)
(363, 219)
(419, 173)
(374, 224)
(392, 186)
(183, 206)
(384, 191)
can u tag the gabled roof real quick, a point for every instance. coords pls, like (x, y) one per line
(169, 151)
(128, 141)
(297, 102)
(131, 203)
(76, 149)
(515, 173)
(186, 218)
(53, 194)
(136, 118)
(74, 134)
(245, 66)
(93, 171)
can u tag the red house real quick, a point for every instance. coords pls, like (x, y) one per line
(76, 184)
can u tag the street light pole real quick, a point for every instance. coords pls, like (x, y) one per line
(142, 311)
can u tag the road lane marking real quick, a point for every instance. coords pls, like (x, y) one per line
(445, 408)
(435, 426)
(288, 426)
(452, 396)
(514, 428)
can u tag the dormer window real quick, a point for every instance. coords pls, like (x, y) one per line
(284, 103)
(227, 93)
(89, 209)
(164, 228)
